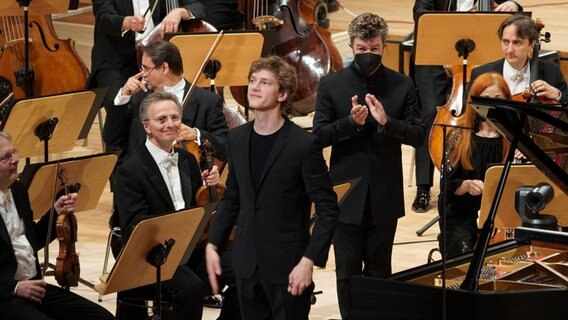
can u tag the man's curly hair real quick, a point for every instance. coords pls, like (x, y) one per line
(368, 26)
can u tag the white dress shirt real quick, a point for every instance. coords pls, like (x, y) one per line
(169, 171)
(518, 80)
(22, 248)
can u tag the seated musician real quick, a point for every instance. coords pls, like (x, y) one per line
(119, 25)
(518, 35)
(468, 161)
(157, 178)
(23, 292)
(162, 70)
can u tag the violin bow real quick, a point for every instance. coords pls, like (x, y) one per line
(50, 225)
(200, 71)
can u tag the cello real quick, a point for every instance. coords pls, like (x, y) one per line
(307, 46)
(55, 64)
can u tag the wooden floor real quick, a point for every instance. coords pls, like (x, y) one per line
(409, 250)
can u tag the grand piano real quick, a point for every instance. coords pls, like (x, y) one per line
(522, 278)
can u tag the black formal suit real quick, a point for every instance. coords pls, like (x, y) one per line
(547, 71)
(113, 57)
(272, 218)
(368, 216)
(365, 152)
(141, 193)
(57, 303)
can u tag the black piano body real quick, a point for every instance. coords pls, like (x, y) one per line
(523, 278)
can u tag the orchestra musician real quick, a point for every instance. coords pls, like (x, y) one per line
(276, 170)
(154, 179)
(162, 70)
(366, 112)
(474, 150)
(433, 85)
(518, 35)
(23, 292)
(118, 26)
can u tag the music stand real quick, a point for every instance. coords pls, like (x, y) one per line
(234, 53)
(91, 172)
(14, 8)
(78, 172)
(48, 124)
(132, 270)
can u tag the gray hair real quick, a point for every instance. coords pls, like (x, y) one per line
(153, 98)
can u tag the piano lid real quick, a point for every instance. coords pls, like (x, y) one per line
(543, 134)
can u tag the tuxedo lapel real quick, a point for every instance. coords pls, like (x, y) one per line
(190, 109)
(185, 179)
(155, 176)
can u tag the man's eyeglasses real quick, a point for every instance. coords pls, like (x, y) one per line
(164, 119)
(9, 156)
(146, 69)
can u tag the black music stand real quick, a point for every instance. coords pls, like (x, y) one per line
(19, 7)
(78, 172)
(233, 56)
(133, 269)
(48, 124)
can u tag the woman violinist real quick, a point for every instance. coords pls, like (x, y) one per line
(475, 148)
(118, 25)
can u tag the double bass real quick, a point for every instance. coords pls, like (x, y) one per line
(298, 40)
(54, 65)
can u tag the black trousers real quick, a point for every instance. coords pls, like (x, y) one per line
(261, 300)
(361, 250)
(184, 291)
(117, 121)
(433, 84)
(230, 309)
(57, 304)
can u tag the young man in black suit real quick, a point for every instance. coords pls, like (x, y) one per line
(157, 179)
(276, 170)
(365, 112)
(118, 26)
(518, 35)
(433, 84)
(23, 292)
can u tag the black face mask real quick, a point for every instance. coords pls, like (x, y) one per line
(368, 63)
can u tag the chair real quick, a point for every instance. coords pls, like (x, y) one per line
(114, 232)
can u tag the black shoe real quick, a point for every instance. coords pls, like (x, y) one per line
(422, 200)
(332, 6)
(212, 302)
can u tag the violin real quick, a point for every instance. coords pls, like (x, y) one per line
(209, 194)
(54, 65)
(67, 268)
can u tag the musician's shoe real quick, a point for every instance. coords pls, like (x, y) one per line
(422, 200)
(212, 302)
(332, 5)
